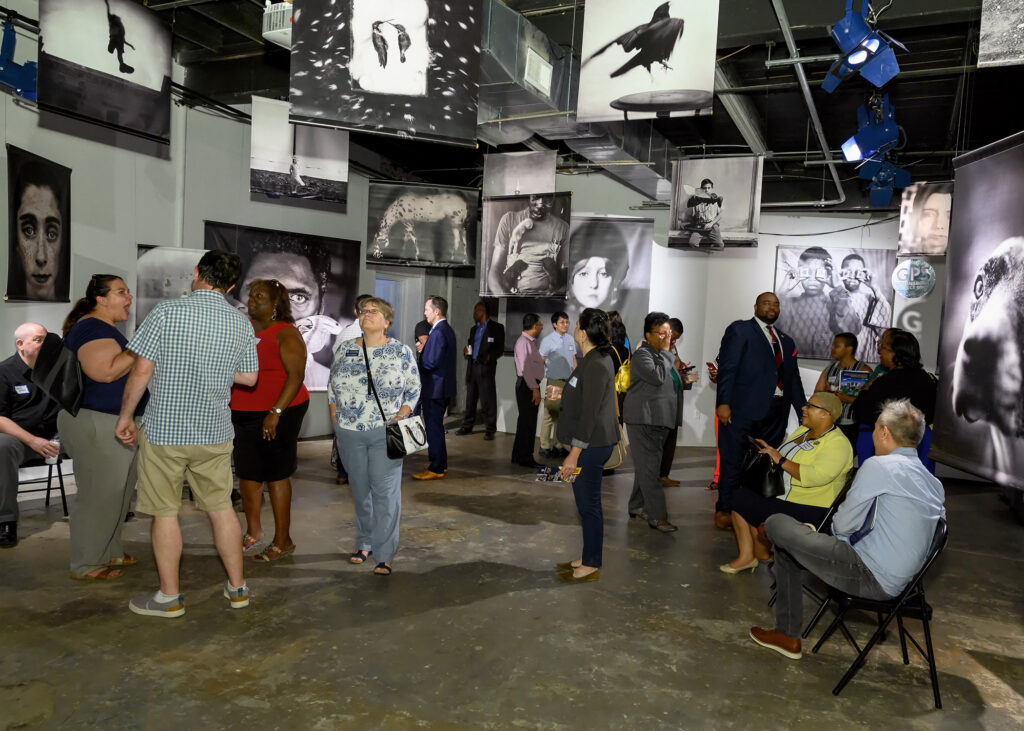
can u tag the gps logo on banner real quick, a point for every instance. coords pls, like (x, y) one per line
(913, 278)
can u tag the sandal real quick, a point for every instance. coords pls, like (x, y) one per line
(382, 569)
(248, 542)
(359, 556)
(104, 573)
(125, 560)
(272, 553)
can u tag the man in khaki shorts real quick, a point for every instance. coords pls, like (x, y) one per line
(190, 351)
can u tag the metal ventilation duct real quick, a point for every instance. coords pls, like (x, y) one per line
(635, 154)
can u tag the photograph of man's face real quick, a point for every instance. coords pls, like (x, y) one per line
(932, 229)
(539, 206)
(294, 272)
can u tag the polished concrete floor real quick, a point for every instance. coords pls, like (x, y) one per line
(473, 630)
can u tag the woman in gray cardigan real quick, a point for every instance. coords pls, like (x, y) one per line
(588, 424)
(653, 408)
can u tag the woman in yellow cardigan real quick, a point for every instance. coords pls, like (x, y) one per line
(815, 461)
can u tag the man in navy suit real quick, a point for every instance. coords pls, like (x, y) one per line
(437, 377)
(758, 381)
(485, 345)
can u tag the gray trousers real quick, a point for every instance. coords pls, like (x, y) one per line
(647, 443)
(798, 548)
(105, 478)
(12, 453)
(376, 482)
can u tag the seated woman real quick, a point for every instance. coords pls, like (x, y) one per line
(815, 461)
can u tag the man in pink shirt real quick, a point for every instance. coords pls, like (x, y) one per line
(530, 372)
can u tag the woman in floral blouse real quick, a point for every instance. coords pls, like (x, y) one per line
(374, 477)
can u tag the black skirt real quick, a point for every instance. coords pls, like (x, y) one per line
(258, 459)
(755, 508)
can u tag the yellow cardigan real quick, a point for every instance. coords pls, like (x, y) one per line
(823, 470)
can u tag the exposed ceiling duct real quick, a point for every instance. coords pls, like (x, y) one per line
(635, 154)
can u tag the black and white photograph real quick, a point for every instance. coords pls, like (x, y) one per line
(107, 62)
(520, 173)
(646, 57)
(1001, 40)
(422, 225)
(979, 415)
(162, 273)
(320, 273)
(924, 219)
(824, 291)
(716, 202)
(38, 228)
(296, 160)
(513, 308)
(524, 247)
(402, 67)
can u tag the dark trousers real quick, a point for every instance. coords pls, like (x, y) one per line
(480, 386)
(647, 442)
(526, 424)
(433, 420)
(732, 441)
(668, 452)
(587, 491)
(12, 454)
(851, 432)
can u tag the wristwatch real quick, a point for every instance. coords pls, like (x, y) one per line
(276, 410)
(781, 460)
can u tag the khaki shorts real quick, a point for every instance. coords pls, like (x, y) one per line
(163, 468)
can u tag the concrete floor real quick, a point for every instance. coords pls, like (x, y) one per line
(473, 630)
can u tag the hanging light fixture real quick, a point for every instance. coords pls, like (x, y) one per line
(885, 178)
(864, 50)
(877, 131)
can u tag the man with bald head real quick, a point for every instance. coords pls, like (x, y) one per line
(28, 420)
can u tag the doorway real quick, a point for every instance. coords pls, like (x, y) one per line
(403, 288)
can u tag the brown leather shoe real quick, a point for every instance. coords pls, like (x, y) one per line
(723, 520)
(775, 640)
(428, 475)
(669, 482)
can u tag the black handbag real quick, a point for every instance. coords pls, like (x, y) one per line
(59, 374)
(759, 474)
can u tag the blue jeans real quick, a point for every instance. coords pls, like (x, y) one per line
(376, 482)
(587, 491)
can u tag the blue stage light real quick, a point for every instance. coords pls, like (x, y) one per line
(864, 50)
(884, 177)
(20, 77)
(876, 130)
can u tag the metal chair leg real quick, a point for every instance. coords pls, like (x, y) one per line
(862, 656)
(931, 660)
(63, 495)
(49, 483)
(903, 638)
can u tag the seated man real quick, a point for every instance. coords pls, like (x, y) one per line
(28, 420)
(881, 533)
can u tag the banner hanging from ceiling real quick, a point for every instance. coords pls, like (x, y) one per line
(716, 202)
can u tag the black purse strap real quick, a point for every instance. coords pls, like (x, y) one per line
(371, 387)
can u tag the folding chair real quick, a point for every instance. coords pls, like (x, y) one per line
(40, 462)
(910, 603)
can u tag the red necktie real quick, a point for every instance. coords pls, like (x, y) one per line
(777, 349)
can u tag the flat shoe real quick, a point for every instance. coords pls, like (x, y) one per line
(382, 569)
(727, 569)
(569, 578)
(642, 515)
(102, 574)
(249, 543)
(272, 553)
(562, 566)
(669, 482)
(663, 525)
(125, 560)
(359, 556)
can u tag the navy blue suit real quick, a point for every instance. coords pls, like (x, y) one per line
(747, 377)
(437, 378)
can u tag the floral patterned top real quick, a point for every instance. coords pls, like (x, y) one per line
(393, 366)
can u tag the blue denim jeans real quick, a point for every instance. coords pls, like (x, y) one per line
(587, 491)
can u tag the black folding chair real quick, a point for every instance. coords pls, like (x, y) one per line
(40, 462)
(910, 603)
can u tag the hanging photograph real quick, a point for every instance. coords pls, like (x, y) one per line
(924, 219)
(513, 309)
(402, 67)
(320, 273)
(824, 291)
(979, 415)
(38, 228)
(646, 57)
(162, 273)
(525, 245)
(1001, 42)
(422, 225)
(716, 202)
(107, 62)
(296, 160)
(519, 173)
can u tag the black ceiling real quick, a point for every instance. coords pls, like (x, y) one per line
(943, 101)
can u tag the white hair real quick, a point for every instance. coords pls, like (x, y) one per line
(904, 421)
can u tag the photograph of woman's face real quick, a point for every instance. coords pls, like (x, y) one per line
(591, 282)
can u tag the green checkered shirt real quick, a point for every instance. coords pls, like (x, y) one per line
(198, 343)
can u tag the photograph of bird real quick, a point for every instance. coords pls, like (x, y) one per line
(653, 42)
(380, 43)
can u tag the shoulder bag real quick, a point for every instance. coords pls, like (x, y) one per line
(759, 474)
(618, 455)
(59, 374)
(622, 376)
(404, 436)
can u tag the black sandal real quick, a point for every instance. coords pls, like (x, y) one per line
(359, 556)
(382, 569)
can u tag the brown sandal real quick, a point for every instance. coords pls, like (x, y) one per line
(125, 560)
(272, 553)
(104, 573)
(360, 556)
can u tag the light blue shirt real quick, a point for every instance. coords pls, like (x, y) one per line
(557, 351)
(908, 502)
(395, 374)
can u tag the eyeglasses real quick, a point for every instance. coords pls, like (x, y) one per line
(815, 406)
(368, 312)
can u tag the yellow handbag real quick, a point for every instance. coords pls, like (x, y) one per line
(622, 374)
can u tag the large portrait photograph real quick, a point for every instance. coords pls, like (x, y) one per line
(107, 62)
(525, 245)
(403, 67)
(162, 273)
(320, 273)
(422, 225)
(646, 57)
(824, 291)
(716, 202)
(38, 228)
(979, 415)
(924, 219)
(519, 173)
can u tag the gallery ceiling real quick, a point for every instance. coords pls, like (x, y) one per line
(945, 104)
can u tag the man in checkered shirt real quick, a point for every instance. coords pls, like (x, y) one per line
(192, 349)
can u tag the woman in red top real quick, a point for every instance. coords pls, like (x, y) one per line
(267, 417)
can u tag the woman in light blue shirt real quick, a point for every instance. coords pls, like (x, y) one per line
(374, 477)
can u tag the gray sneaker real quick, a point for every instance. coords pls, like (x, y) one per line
(239, 598)
(149, 605)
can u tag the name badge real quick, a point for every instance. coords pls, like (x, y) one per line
(351, 353)
(806, 446)
(23, 390)
(572, 381)
(490, 340)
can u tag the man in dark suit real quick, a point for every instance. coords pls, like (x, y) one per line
(485, 345)
(758, 381)
(437, 378)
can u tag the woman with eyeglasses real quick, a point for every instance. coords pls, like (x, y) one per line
(367, 369)
(267, 418)
(815, 462)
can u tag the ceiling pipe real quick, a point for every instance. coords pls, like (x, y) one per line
(812, 110)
